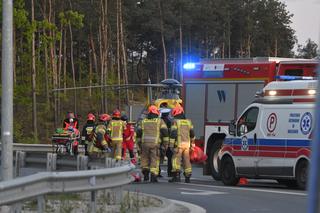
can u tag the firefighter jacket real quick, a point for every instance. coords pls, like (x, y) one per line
(87, 130)
(181, 133)
(99, 133)
(152, 130)
(116, 129)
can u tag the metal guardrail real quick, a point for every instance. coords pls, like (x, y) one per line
(95, 174)
(63, 182)
(35, 147)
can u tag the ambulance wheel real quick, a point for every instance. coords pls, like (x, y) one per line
(214, 160)
(302, 174)
(228, 172)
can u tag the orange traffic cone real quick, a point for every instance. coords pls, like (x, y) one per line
(243, 181)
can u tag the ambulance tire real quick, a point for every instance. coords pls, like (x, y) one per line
(302, 174)
(214, 161)
(228, 172)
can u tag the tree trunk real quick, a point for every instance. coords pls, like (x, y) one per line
(118, 50)
(34, 96)
(94, 53)
(229, 35)
(60, 57)
(173, 73)
(64, 32)
(124, 52)
(72, 67)
(276, 48)
(90, 67)
(101, 50)
(46, 73)
(181, 50)
(105, 58)
(249, 46)
(163, 41)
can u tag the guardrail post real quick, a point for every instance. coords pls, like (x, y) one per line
(118, 194)
(19, 162)
(108, 162)
(16, 208)
(82, 162)
(93, 202)
(51, 162)
(41, 204)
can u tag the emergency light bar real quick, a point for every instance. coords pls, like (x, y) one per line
(291, 77)
(189, 66)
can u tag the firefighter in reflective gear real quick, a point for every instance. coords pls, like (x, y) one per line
(128, 139)
(116, 127)
(87, 131)
(151, 133)
(99, 145)
(181, 140)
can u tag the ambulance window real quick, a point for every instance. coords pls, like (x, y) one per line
(294, 72)
(248, 121)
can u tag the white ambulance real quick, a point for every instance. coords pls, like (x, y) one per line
(272, 137)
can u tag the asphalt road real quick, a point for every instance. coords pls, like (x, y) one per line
(257, 196)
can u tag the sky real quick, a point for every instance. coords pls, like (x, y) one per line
(306, 19)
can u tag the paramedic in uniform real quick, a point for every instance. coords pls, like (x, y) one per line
(181, 140)
(150, 134)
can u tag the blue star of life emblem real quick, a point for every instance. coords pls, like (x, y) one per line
(306, 123)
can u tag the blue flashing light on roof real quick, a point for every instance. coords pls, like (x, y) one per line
(291, 78)
(189, 66)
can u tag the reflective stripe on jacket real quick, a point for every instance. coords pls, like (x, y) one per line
(181, 132)
(116, 128)
(153, 130)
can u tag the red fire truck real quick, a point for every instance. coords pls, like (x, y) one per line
(216, 91)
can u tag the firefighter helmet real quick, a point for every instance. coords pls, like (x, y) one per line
(116, 113)
(177, 110)
(153, 109)
(91, 117)
(104, 117)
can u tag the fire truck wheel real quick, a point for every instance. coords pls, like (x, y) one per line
(302, 174)
(214, 161)
(228, 172)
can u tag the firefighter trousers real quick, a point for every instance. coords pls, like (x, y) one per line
(117, 149)
(150, 157)
(182, 152)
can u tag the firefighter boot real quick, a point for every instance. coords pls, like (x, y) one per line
(145, 175)
(187, 177)
(153, 178)
(175, 177)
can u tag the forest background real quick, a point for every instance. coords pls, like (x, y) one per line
(64, 43)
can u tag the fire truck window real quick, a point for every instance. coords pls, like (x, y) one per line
(294, 72)
(248, 121)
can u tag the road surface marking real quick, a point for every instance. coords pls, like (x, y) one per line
(200, 192)
(192, 207)
(248, 189)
